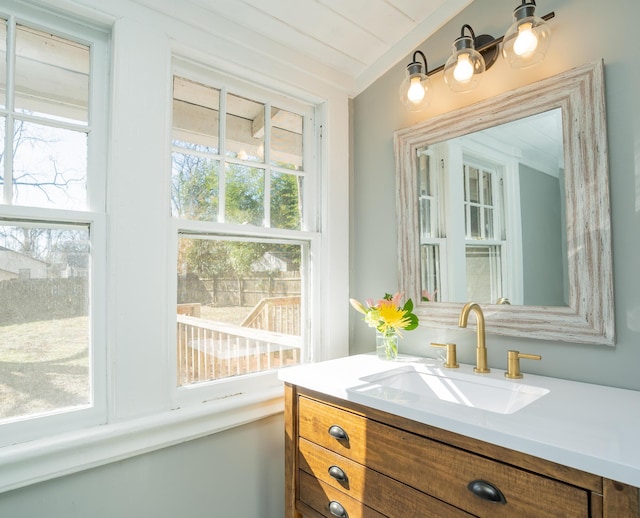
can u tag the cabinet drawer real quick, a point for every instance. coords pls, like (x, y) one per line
(318, 496)
(439, 470)
(381, 493)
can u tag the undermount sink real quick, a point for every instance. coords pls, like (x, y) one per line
(414, 386)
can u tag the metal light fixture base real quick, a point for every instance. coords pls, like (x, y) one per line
(490, 53)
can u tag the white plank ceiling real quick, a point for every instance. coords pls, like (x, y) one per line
(348, 43)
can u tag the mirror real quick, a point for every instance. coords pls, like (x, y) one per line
(480, 218)
(491, 215)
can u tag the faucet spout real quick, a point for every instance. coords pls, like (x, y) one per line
(481, 347)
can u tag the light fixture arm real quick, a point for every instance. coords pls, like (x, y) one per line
(415, 67)
(467, 26)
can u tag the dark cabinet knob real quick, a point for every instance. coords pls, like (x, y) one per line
(486, 491)
(337, 473)
(338, 433)
(336, 509)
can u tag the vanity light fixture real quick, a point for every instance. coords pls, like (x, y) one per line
(463, 68)
(527, 40)
(415, 90)
(524, 44)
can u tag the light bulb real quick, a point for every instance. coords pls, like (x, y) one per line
(526, 42)
(416, 91)
(464, 69)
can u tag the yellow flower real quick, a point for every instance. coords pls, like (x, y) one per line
(391, 315)
(388, 314)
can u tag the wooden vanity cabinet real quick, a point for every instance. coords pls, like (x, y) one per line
(352, 461)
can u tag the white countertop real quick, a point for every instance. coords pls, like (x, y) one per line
(589, 427)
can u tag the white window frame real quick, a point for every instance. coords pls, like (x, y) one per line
(489, 150)
(308, 236)
(449, 158)
(141, 413)
(27, 428)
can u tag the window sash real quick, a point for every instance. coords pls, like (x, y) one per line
(305, 235)
(92, 214)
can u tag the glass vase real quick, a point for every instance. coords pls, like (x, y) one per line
(387, 345)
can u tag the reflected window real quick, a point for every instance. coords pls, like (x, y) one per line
(462, 255)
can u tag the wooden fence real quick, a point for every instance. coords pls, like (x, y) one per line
(246, 291)
(43, 299)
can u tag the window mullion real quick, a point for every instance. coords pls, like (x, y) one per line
(267, 161)
(483, 203)
(10, 79)
(222, 149)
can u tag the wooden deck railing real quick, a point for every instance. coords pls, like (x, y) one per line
(210, 350)
(277, 314)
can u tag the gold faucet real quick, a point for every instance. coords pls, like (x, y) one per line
(481, 348)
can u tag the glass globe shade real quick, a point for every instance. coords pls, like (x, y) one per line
(527, 40)
(463, 68)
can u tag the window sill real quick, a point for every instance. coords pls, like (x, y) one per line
(44, 459)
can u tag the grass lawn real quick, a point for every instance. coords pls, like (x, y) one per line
(228, 314)
(44, 366)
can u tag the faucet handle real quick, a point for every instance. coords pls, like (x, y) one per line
(451, 361)
(513, 363)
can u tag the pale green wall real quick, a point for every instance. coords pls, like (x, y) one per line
(237, 473)
(583, 31)
(240, 472)
(542, 250)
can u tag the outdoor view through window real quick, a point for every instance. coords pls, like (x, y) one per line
(238, 171)
(44, 258)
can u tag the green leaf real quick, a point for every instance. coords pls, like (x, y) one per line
(413, 322)
(408, 306)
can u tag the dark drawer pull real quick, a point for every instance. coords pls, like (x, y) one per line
(337, 432)
(338, 473)
(486, 491)
(336, 509)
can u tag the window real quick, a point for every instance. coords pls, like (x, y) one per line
(484, 231)
(242, 198)
(464, 259)
(51, 228)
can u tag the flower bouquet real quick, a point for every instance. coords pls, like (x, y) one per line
(388, 316)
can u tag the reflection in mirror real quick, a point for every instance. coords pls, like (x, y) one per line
(493, 219)
(491, 207)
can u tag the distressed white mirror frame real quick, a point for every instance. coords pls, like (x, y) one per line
(589, 317)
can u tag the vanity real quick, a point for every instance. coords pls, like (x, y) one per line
(407, 438)
(365, 437)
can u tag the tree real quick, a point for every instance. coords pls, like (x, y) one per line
(285, 201)
(194, 193)
(45, 172)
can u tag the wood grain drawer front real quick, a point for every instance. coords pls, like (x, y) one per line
(316, 419)
(381, 493)
(319, 496)
(437, 469)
